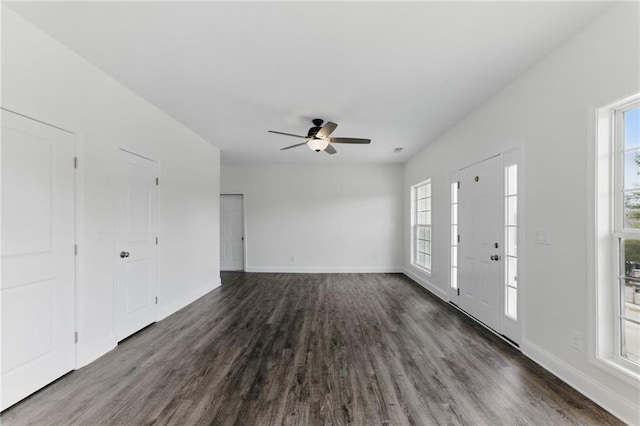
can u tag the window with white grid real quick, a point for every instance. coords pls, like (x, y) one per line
(421, 195)
(616, 242)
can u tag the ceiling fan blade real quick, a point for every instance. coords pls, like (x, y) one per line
(349, 140)
(293, 146)
(330, 149)
(326, 130)
(286, 134)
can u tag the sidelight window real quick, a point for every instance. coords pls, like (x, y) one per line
(454, 235)
(511, 241)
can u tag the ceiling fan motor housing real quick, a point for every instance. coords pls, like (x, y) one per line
(313, 132)
(317, 122)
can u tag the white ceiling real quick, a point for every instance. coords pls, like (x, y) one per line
(397, 73)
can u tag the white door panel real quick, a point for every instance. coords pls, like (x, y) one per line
(480, 209)
(231, 233)
(136, 254)
(37, 286)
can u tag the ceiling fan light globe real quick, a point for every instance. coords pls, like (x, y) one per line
(317, 144)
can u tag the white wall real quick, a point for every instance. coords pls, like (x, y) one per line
(334, 218)
(550, 111)
(45, 80)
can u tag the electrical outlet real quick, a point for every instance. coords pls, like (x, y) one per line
(542, 236)
(576, 340)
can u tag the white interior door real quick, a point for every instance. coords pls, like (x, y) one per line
(38, 256)
(231, 233)
(136, 242)
(479, 249)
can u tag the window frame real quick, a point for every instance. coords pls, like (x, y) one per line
(620, 231)
(606, 221)
(415, 225)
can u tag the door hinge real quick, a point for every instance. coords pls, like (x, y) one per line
(156, 240)
(458, 237)
(75, 162)
(157, 181)
(75, 336)
(458, 184)
(156, 300)
(75, 249)
(458, 292)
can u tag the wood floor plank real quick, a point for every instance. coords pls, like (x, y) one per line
(311, 349)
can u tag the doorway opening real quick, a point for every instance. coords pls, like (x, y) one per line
(232, 232)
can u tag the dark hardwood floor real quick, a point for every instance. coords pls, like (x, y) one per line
(311, 349)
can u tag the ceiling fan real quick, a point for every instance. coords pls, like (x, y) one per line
(318, 138)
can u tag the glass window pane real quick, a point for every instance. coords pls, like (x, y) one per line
(512, 271)
(454, 277)
(427, 192)
(632, 209)
(631, 294)
(427, 205)
(632, 169)
(427, 233)
(422, 205)
(421, 218)
(512, 210)
(632, 128)
(421, 232)
(427, 261)
(632, 301)
(512, 302)
(512, 241)
(421, 245)
(631, 256)
(427, 219)
(420, 259)
(421, 191)
(512, 179)
(631, 341)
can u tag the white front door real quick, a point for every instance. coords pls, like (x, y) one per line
(480, 246)
(231, 233)
(38, 259)
(135, 243)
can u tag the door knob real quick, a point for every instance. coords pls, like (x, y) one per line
(124, 254)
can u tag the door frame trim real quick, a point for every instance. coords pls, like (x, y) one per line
(245, 230)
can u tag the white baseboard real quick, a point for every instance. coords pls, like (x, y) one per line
(608, 399)
(327, 270)
(87, 352)
(425, 284)
(166, 309)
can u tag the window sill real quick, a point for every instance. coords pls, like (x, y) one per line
(422, 269)
(615, 368)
